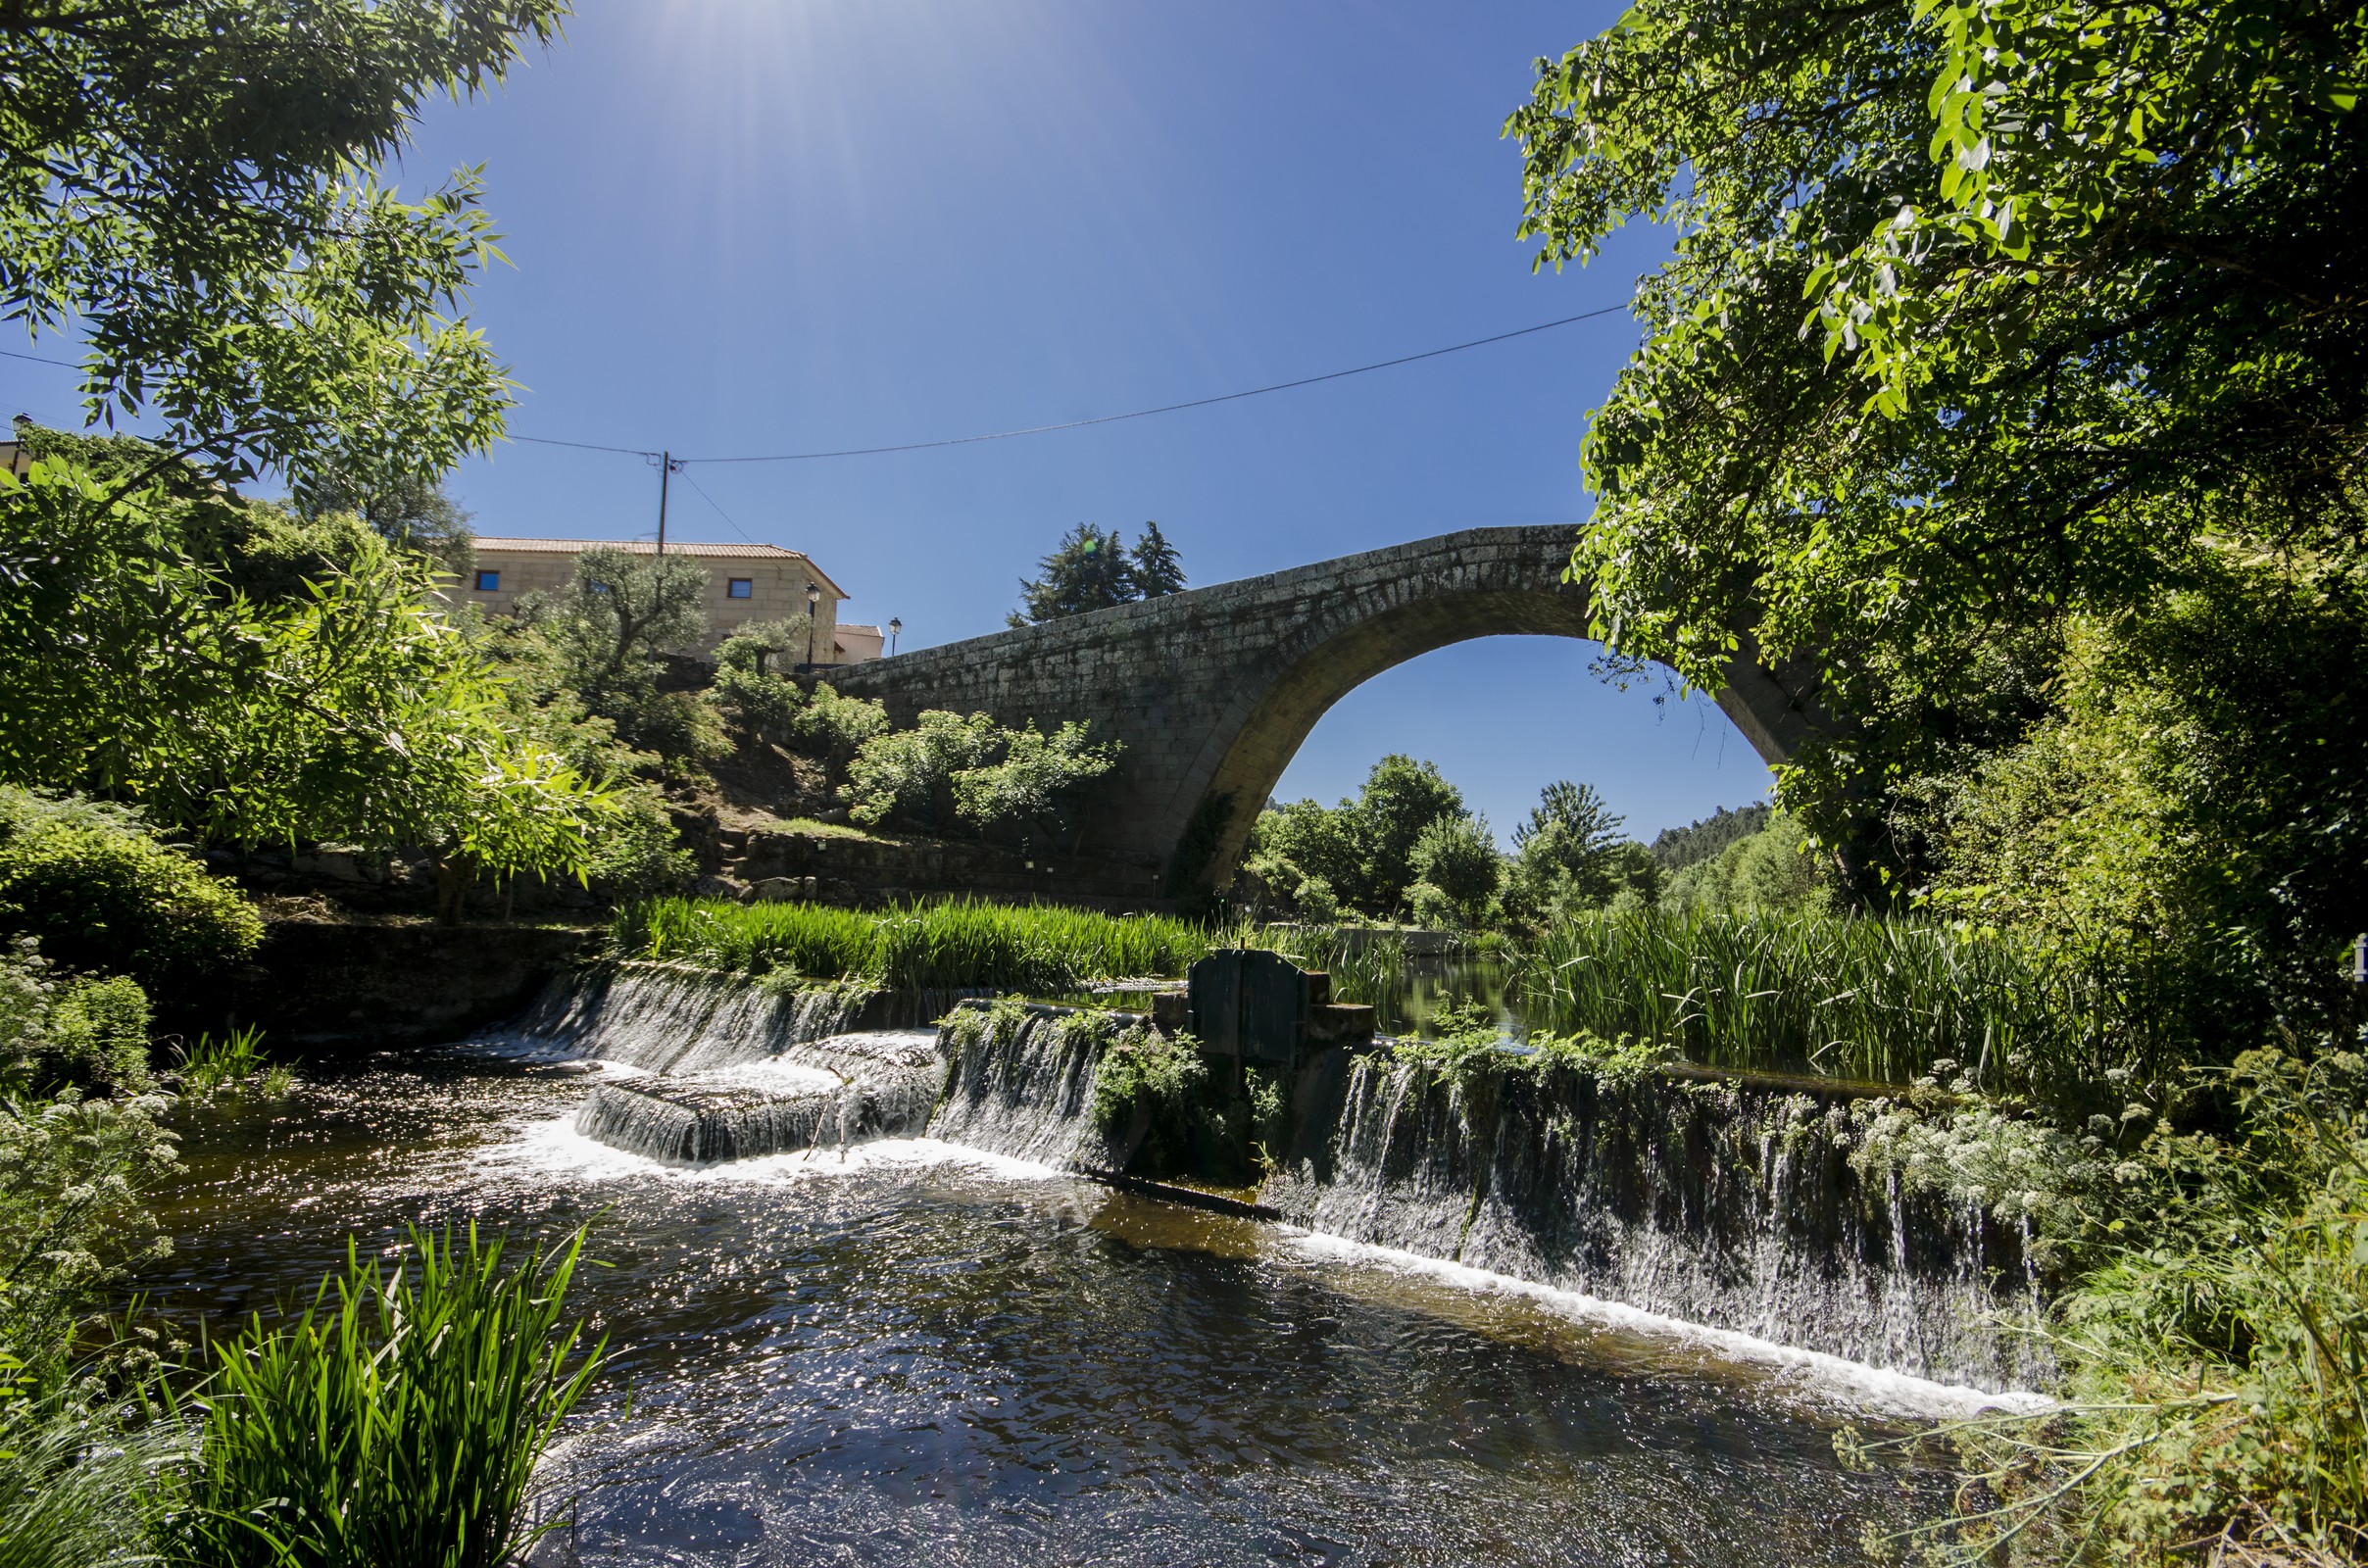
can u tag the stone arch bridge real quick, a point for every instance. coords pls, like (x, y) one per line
(1212, 691)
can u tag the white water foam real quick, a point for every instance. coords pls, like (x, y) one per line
(1854, 1382)
(555, 1148)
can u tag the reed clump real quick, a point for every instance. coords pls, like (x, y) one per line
(397, 1420)
(1853, 996)
(952, 944)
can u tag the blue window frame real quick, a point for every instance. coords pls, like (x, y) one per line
(489, 582)
(740, 588)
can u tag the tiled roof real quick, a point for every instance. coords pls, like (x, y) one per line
(638, 547)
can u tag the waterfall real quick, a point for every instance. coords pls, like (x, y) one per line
(1730, 1207)
(1733, 1208)
(670, 1018)
(1023, 1087)
(828, 1093)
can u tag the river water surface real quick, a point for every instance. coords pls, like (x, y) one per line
(918, 1354)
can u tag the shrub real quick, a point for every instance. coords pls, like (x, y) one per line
(71, 1168)
(1772, 871)
(1143, 1069)
(832, 728)
(1315, 902)
(640, 857)
(101, 895)
(909, 775)
(756, 709)
(1033, 784)
(397, 1420)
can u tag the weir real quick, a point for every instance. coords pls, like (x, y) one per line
(1730, 1207)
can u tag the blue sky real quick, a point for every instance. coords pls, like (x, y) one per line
(748, 226)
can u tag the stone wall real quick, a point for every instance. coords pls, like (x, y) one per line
(1212, 692)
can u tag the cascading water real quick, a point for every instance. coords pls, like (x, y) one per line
(1730, 1207)
(669, 1018)
(729, 1070)
(1026, 1092)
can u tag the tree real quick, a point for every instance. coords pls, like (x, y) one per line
(1157, 568)
(188, 186)
(1401, 798)
(408, 512)
(1982, 312)
(135, 665)
(1088, 571)
(1093, 571)
(189, 183)
(1457, 857)
(1570, 843)
(1300, 842)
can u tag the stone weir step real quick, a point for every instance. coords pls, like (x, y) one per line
(816, 1098)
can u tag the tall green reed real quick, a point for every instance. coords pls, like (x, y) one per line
(1847, 997)
(397, 1420)
(952, 944)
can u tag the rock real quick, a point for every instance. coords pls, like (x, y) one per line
(718, 887)
(781, 889)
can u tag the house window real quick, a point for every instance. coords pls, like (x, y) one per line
(740, 588)
(489, 582)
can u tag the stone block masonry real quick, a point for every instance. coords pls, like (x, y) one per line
(1212, 692)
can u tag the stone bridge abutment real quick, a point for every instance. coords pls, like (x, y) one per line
(1212, 692)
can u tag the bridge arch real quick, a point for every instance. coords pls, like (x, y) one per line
(1213, 691)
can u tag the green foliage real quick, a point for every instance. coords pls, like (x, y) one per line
(132, 665)
(233, 1063)
(1774, 871)
(72, 1168)
(2215, 1355)
(909, 775)
(762, 647)
(188, 187)
(2197, 808)
(640, 856)
(398, 1419)
(2065, 276)
(101, 894)
(407, 512)
(1856, 997)
(1036, 782)
(77, 1477)
(1458, 857)
(950, 945)
(1677, 847)
(1157, 569)
(950, 769)
(608, 630)
(833, 728)
(1092, 569)
(1146, 1070)
(1362, 849)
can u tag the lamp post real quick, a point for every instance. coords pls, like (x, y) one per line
(895, 626)
(814, 614)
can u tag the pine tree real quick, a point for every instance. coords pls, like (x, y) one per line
(1088, 571)
(1159, 569)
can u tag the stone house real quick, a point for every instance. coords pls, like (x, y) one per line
(745, 582)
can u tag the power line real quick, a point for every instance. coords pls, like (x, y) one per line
(1170, 407)
(718, 505)
(1033, 429)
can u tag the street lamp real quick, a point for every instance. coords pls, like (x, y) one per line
(814, 614)
(895, 626)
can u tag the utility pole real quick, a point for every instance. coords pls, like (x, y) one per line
(666, 464)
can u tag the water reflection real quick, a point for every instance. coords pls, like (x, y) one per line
(903, 1356)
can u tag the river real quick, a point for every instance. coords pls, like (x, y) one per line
(918, 1353)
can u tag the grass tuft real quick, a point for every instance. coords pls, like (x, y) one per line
(944, 945)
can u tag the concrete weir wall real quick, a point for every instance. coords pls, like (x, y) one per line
(324, 989)
(1212, 692)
